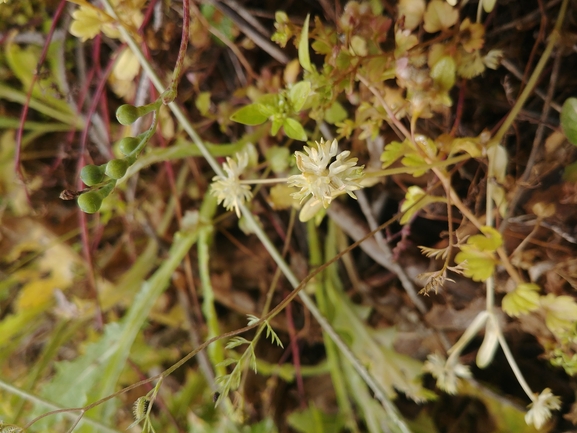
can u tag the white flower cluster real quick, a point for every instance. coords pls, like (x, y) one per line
(229, 189)
(322, 181)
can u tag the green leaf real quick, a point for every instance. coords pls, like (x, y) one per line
(278, 159)
(73, 380)
(569, 120)
(479, 265)
(336, 113)
(304, 56)
(439, 16)
(312, 420)
(444, 72)
(417, 163)
(249, 115)
(294, 129)
(235, 342)
(415, 200)
(202, 102)
(522, 300)
(393, 151)
(560, 312)
(489, 241)
(272, 335)
(298, 95)
(276, 124)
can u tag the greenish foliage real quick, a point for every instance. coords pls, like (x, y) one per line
(569, 119)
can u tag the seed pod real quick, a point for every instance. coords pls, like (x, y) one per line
(91, 175)
(127, 145)
(90, 202)
(116, 168)
(127, 114)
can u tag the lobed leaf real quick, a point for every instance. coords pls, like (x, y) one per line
(393, 151)
(478, 265)
(522, 300)
(489, 241)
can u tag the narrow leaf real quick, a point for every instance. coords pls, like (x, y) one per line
(304, 56)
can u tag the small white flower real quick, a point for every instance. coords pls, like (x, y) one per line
(321, 180)
(447, 374)
(540, 409)
(229, 189)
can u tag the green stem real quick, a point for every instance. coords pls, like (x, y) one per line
(207, 211)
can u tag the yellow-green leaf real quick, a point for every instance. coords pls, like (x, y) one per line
(298, 95)
(560, 312)
(202, 102)
(393, 151)
(522, 300)
(489, 241)
(479, 265)
(443, 72)
(249, 115)
(294, 129)
(439, 16)
(417, 164)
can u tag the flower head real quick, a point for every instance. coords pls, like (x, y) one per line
(321, 180)
(447, 373)
(229, 189)
(540, 409)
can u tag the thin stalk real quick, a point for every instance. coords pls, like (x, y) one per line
(514, 366)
